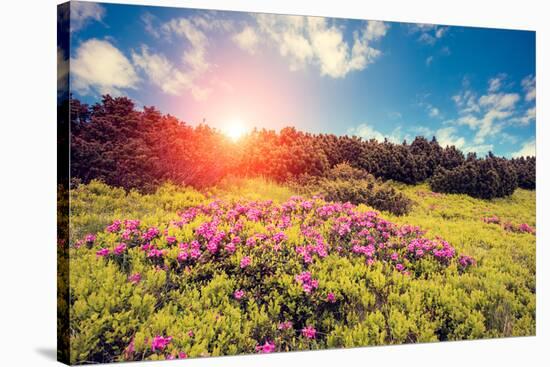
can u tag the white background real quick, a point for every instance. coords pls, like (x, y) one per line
(28, 181)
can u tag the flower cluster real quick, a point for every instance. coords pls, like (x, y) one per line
(307, 282)
(309, 332)
(233, 236)
(509, 226)
(268, 347)
(160, 342)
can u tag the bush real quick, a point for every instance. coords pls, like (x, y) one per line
(526, 169)
(486, 178)
(220, 279)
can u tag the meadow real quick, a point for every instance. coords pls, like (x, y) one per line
(254, 266)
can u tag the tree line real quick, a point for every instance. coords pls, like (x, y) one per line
(140, 149)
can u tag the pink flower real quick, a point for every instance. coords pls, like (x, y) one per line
(268, 347)
(103, 252)
(120, 249)
(285, 325)
(308, 284)
(309, 332)
(239, 293)
(114, 227)
(230, 247)
(160, 342)
(394, 256)
(171, 240)
(155, 253)
(331, 298)
(190, 333)
(399, 267)
(90, 238)
(182, 355)
(182, 256)
(195, 253)
(245, 261)
(135, 278)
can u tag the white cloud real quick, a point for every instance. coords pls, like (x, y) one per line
(486, 114)
(527, 149)
(480, 149)
(495, 84)
(433, 111)
(101, 67)
(82, 13)
(429, 33)
(529, 86)
(499, 101)
(367, 132)
(247, 39)
(530, 115)
(312, 40)
(447, 137)
(375, 30)
(174, 78)
(440, 31)
(429, 60)
(148, 20)
(165, 75)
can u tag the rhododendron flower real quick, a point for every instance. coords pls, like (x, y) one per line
(285, 325)
(399, 267)
(245, 261)
(465, 261)
(120, 249)
(171, 240)
(155, 253)
(103, 252)
(394, 256)
(195, 253)
(526, 228)
(308, 284)
(230, 247)
(160, 342)
(268, 347)
(309, 332)
(182, 256)
(238, 294)
(151, 233)
(331, 298)
(114, 227)
(90, 238)
(135, 278)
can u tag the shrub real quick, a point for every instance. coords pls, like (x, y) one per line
(486, 178)
(526, 168)
(226, 278)
(344, 183)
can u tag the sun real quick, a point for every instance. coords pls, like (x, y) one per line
(234, 128)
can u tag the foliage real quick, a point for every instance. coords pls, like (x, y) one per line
(228, 276)
(526, 171)
(114, 142)
(344, 183)
(485, 178)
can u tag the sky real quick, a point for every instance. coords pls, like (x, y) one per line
(469, 87)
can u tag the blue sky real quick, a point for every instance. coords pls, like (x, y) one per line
(470, 87)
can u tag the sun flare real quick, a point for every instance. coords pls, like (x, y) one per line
(234, 129)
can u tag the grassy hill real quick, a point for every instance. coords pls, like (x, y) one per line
(374, 304)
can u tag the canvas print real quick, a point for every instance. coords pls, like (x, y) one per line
(238, 183)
